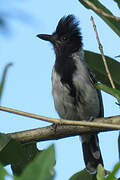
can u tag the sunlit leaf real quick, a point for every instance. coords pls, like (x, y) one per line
(100, 172)
(3, 173)
(111, 176)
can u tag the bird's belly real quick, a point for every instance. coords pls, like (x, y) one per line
(84, 109)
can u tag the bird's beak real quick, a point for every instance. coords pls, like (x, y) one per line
(45, 37)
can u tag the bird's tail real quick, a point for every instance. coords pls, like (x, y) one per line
(91, 152)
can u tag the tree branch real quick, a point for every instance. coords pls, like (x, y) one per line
(53, 133)
(61, 131)
(64, 121)
(102, 54)
(100, 11)
(62, 128)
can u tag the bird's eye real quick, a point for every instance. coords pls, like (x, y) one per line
(64, 38)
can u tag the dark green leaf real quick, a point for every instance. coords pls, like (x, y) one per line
(95, 61)
(41, 167)
(111, 176)
(115, 26)
(83, 175)
(16, 154)
(7, 147)
(119, 145)
(100, 172)
(3, 79)
(3, 173)
(28, 153)
(117, 56)
(118, 2)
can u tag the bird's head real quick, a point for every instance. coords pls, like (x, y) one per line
(67, 37)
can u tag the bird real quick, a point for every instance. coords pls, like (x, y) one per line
(74, 95)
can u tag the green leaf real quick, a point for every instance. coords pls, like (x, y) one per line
(3, 173)
(115, 26)
(119, 145)
(100, 172)
(28, 152)
(41, 167)
(22, 156)
(7, 147)
(3, 79)
(95, 61)
(117, 56)
(114, 92)
(118, 2)
(83, 175)
(111, 176)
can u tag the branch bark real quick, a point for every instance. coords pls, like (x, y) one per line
(54, 132)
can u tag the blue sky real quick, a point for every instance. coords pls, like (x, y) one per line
(28, 84)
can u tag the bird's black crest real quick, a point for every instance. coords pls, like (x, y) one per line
(68, 25)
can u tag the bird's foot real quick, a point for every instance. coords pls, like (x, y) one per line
(54, 126)
(91, 118)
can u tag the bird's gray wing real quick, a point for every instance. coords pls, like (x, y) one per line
(93, 81)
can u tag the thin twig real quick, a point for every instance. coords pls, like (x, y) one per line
(100, 11)
(102, 53)
(96, 122)
(30, 115)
